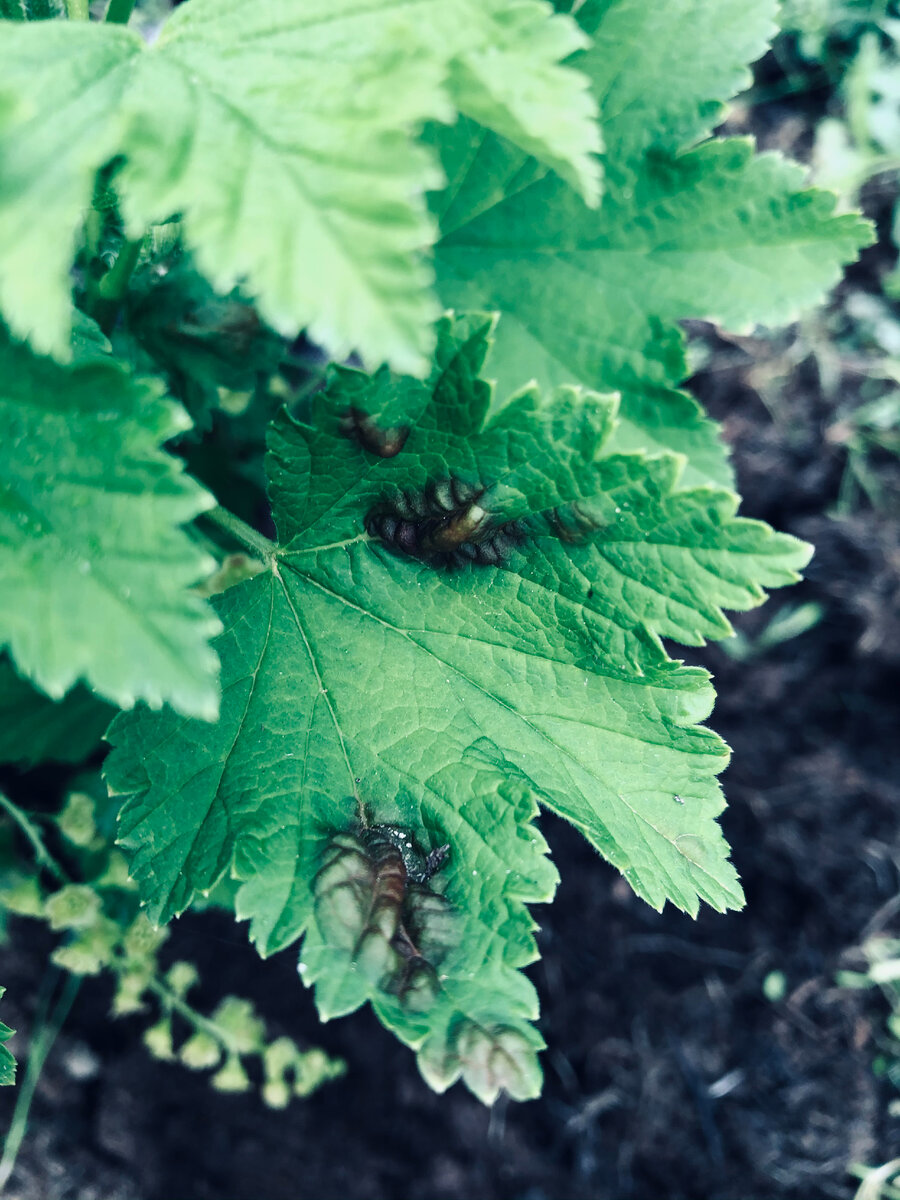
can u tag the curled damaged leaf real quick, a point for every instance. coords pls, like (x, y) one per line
(373, 903)
(490, 1059)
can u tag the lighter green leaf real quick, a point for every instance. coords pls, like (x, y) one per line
(67, 82)
(512, 83)
(357, 680)
(284, 133)
(661, 72)
(593, 297)
(96, 571)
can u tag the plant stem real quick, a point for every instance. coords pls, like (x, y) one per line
(243, 533)
(174, 1003)
(106, 294)
(41, 854)
(119, 11)
(114, 284)
(41, 1045)
(78, 10)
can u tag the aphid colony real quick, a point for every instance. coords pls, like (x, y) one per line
(374, 900)
(444, 524)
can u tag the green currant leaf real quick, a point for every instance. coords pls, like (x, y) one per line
(95, 567)
(712, 231)
(285, 136)
(207, 345)
(365, 688)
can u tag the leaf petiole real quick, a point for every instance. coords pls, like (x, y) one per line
(42, 855)
(242, 532)
(107, 293)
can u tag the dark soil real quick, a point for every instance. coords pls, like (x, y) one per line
(669, 1072)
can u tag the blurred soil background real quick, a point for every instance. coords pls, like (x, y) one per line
(708, 1060)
